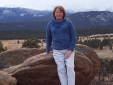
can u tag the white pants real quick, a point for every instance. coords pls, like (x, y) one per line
(65, 67)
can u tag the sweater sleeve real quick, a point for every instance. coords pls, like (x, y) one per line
(48, 39)
(72, 36)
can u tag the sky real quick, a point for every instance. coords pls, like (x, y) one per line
(72, 5)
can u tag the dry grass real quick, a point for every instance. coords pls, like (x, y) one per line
(105, 53)
(12, 44)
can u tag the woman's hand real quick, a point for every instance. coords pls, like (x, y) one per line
(68, 54)
(44, 54)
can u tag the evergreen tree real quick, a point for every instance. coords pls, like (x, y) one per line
(105, 41)
(80, 42)
(111, 47)
(101, 46)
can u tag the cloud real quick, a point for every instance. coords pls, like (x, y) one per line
(76, 5)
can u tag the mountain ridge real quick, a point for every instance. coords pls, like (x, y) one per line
(22, 18)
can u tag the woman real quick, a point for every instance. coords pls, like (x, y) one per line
(61, 33)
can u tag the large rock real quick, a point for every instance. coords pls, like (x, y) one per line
(6, 79)
(17, 56)
(41, 70)
(91, 54)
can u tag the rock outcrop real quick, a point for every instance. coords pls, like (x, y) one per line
(41, 70)
(90, 54)
(6, 79)
(17, 56)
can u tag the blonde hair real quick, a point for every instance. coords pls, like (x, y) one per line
(61, 8)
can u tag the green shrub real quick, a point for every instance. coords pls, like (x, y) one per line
(2, 48)
(31, 43)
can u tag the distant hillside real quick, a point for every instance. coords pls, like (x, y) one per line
(92, 19)
(21, 18)
(18, 14)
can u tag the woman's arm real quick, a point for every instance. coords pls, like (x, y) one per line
(48, 39)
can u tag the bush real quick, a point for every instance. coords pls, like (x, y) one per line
(106, 64)
(31, 43)
(1, 47)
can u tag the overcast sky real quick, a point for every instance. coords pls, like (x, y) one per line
(75, 5)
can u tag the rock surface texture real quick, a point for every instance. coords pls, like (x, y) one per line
(6, 79)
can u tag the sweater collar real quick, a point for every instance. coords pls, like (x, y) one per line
(58, 23)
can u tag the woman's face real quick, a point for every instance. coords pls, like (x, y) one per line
(58, 14)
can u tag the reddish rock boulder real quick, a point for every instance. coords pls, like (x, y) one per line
(91, 54)
(41, 70)
(17, 56)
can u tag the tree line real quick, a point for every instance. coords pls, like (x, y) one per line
(22, 34)
(97, 43)
(41, 34)
(94, 30)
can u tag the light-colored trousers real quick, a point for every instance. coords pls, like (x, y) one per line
(65, 67)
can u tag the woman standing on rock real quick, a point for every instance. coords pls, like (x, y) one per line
(61, 33)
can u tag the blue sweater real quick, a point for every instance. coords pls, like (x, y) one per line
(61, 34)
